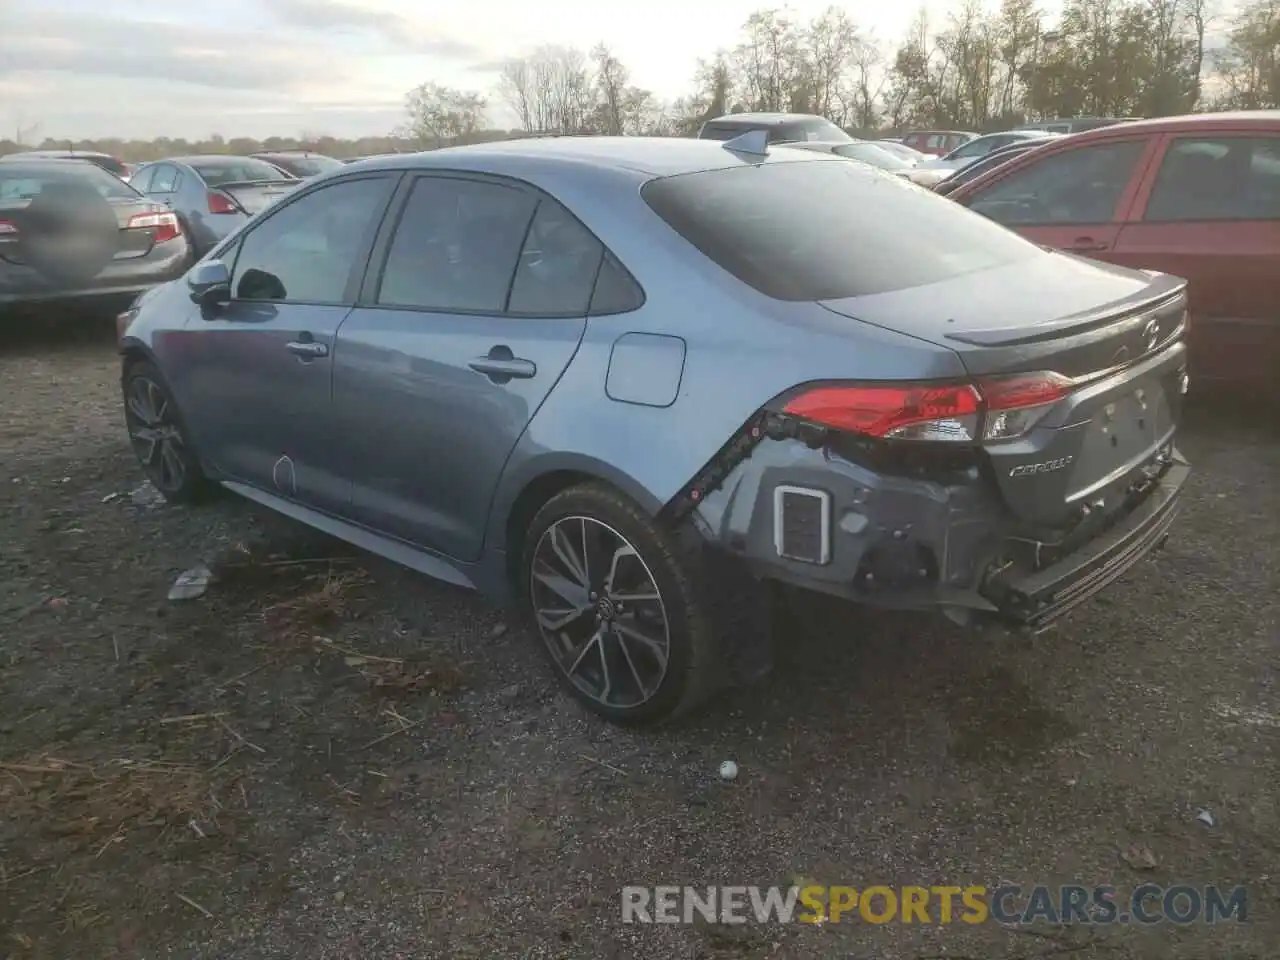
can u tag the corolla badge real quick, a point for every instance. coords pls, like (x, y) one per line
(1035, 469)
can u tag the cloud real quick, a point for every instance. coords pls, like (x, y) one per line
(401, 33)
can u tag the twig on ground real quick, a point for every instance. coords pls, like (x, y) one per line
(191, 903)
(194, 717)
(225, 726)
(602, 763)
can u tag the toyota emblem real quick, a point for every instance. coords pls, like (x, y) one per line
(1152, 332)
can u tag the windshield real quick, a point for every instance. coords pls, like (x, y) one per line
(233, 169)
(870, 153)
(308, 166)
(819, 230)
(25, 181)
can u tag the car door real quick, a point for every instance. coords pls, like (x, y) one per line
(1072, 198)
(462, 330)
(1210, 212)
(258, 382)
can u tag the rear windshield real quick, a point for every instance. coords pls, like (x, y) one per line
(874, 155)
(217, 172)
(26, 181)
(308, 166)
(822, 230)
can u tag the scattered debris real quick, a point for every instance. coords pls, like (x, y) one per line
(601, 763)
(191, 584)
(146, 496)
(195, 906)
(1139, 857)
(498, 630)
(728, 770)
(1205, 817)
(110, 497)
(1248, 716)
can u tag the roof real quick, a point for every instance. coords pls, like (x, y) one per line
(56, 154)
(767, 118)
(654, 156)
(199, 157)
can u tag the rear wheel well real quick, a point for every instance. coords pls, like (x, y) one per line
(528, 503)
(131, 355)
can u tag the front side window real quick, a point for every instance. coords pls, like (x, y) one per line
(457, 245)
(310, 251)
(819, 230)
(1071, 187)
(1217, 178)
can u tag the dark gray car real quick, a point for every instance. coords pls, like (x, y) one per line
(630, 384)
(71, 231)
(213, 195)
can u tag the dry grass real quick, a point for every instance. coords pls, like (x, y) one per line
(102, 802)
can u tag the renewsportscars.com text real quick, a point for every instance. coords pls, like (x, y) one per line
(1067, 904)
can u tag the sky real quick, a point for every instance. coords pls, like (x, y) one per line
(71, 70)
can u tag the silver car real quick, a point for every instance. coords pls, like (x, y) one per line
(633, 385)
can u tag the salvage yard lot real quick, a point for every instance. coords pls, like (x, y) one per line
(327, 757)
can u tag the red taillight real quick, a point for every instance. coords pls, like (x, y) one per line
(1016, 404)
(8, 231)
(165, 225)
(220, 203)
(995, 409)
(909, 412)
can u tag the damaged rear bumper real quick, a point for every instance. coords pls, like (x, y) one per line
(919, 536)
(1038, 598)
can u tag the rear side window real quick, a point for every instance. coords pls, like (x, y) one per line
(1222, 178)
(141, 181)
(1081, 186)
(457, 246)
(616, 291)
(558, 265)
(164, 179)
(825, 231)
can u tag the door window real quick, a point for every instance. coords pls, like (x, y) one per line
(1222, 178)
(141, 181)
(164, 179)
(974, 148)
(1072, 187)
(558, 265)
(310, 250)
(457, 245)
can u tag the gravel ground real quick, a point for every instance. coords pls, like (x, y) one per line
(327, 757)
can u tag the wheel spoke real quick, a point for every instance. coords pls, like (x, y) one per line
(563, 587)
(631, 665)
(171, 468)
(563, 549)
(558, 618)
(593, 642)
(656, 648)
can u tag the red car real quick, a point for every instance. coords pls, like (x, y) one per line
(1195, 196)
(936, 143)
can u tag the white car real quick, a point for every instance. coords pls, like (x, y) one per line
(936, 169)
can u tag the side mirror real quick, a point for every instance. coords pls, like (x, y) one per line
(210, 283)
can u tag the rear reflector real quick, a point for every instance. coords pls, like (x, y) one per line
(908, 412)
(8, 230)
(1016, 404)
(221, 203)
(165, 225)
(802, 524)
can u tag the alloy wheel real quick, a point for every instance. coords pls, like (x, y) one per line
(600, 612)
(155, 435)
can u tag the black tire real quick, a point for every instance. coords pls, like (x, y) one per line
(159, 436)
(686, 596)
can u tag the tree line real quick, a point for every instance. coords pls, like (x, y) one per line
(976, 70)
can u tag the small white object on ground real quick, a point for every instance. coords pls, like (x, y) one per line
(1205, 817)
(728, 770)
(191, 584)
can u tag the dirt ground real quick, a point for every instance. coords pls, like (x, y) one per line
(327, 757)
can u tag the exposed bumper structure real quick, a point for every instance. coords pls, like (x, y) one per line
(1037, 599)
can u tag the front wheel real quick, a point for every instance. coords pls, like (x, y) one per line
(620, 607)
(158, 436)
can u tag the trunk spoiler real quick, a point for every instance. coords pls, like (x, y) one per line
(252, 183)
(1164, 291)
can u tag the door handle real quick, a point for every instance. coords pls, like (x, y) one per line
(513, 368)
(307, 349)
(1086, 244)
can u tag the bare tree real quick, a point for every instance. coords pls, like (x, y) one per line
(442, 115)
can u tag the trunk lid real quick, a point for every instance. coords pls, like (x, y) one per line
(1117, 333)
(254, 196)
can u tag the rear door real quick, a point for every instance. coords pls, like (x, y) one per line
(1210, 212)
(258, 380)
(474, 305)
(1073, 199)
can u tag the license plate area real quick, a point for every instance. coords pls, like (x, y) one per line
(1125, 429)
